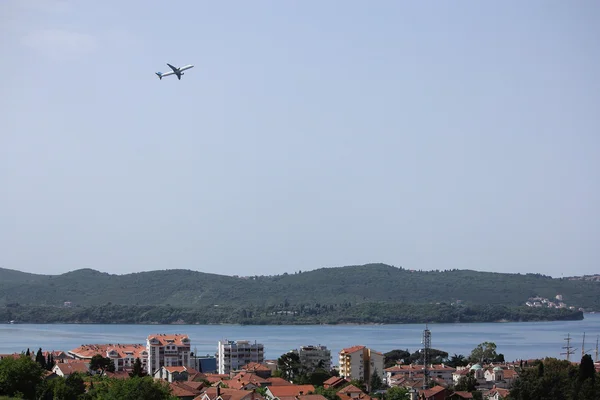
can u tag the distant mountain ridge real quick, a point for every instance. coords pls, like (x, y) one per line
(358, 284)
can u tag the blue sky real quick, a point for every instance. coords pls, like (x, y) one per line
(428, 135)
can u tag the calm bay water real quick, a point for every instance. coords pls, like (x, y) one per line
(515, 340)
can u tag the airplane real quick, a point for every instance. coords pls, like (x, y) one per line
(176, 71)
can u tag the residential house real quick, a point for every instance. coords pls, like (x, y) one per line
(231, 355)
(289, 391)
(219, 393)
(435, 393)
(335, 382)
(351, 392)
(360, 362)
(497, 394)
(275, 381)
(441, 371)
(122, 355)
(258, 369)
(66, 369)
(461, 396)
(172, 374)
(172, 350)
(183, 391)
(247, 381)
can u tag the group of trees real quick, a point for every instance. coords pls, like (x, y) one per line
(558, 380)
(294, 314)
(23, 378)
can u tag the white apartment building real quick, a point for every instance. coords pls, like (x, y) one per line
(313, 357)
(167, 350)
(232, 355)
(359, 362)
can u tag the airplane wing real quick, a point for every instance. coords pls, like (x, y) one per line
(173, 68)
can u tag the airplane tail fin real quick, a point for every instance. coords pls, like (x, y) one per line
(159, 75)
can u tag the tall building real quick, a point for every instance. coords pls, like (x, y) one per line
(232, 355)
(313, 357)
(168, 351)
(360, 362)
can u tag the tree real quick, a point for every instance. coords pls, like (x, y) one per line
(484, 352)
(102, 364)
(70, 388)
(40, 359)
(136, 388)
(138, 370)
(466, 383)
(289, 365)
(396, 393)
(375, 383)
(391, 358)
(22, 375)
(458, 360)
(587, 369)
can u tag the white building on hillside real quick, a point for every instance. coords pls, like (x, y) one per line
(232, 355)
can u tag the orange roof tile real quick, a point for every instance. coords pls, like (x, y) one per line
(353, 349)
(291, 390)
(162, 339)
(275, 381)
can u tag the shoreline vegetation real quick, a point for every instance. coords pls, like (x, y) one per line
(362, 314)
(359, 294)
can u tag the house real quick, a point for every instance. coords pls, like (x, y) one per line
(171, 350)
(460, 396)
(233, 354)
(335, 382)
(435, 393)
(183, 391)
(218, 393)
(288, 391)
(122, 355)
(497, 394)
(247, 381)
(66, 369)
(258, 369)
(441, 371)
(351, 392)
(172, 374)
(360, 362)
(275, 381)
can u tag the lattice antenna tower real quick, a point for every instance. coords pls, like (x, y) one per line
(426, 348)
(596, 358)
(569, 349)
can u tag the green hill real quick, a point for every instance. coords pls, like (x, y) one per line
(326, 286)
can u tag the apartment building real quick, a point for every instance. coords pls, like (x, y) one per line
(313, 357)
(167, 350)
(122, 355)
(360, 362)
(232, 355)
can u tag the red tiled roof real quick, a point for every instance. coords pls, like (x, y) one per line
(69, 368)
(290, 390)
(175, 369)
(350, 389)
(164, 339)
(463, 395)
(88, 351)
(353, 349)
(275, 381)
(180, 389)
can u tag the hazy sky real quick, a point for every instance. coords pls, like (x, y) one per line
(428, 135)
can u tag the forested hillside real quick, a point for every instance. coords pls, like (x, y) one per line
(326, 286)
